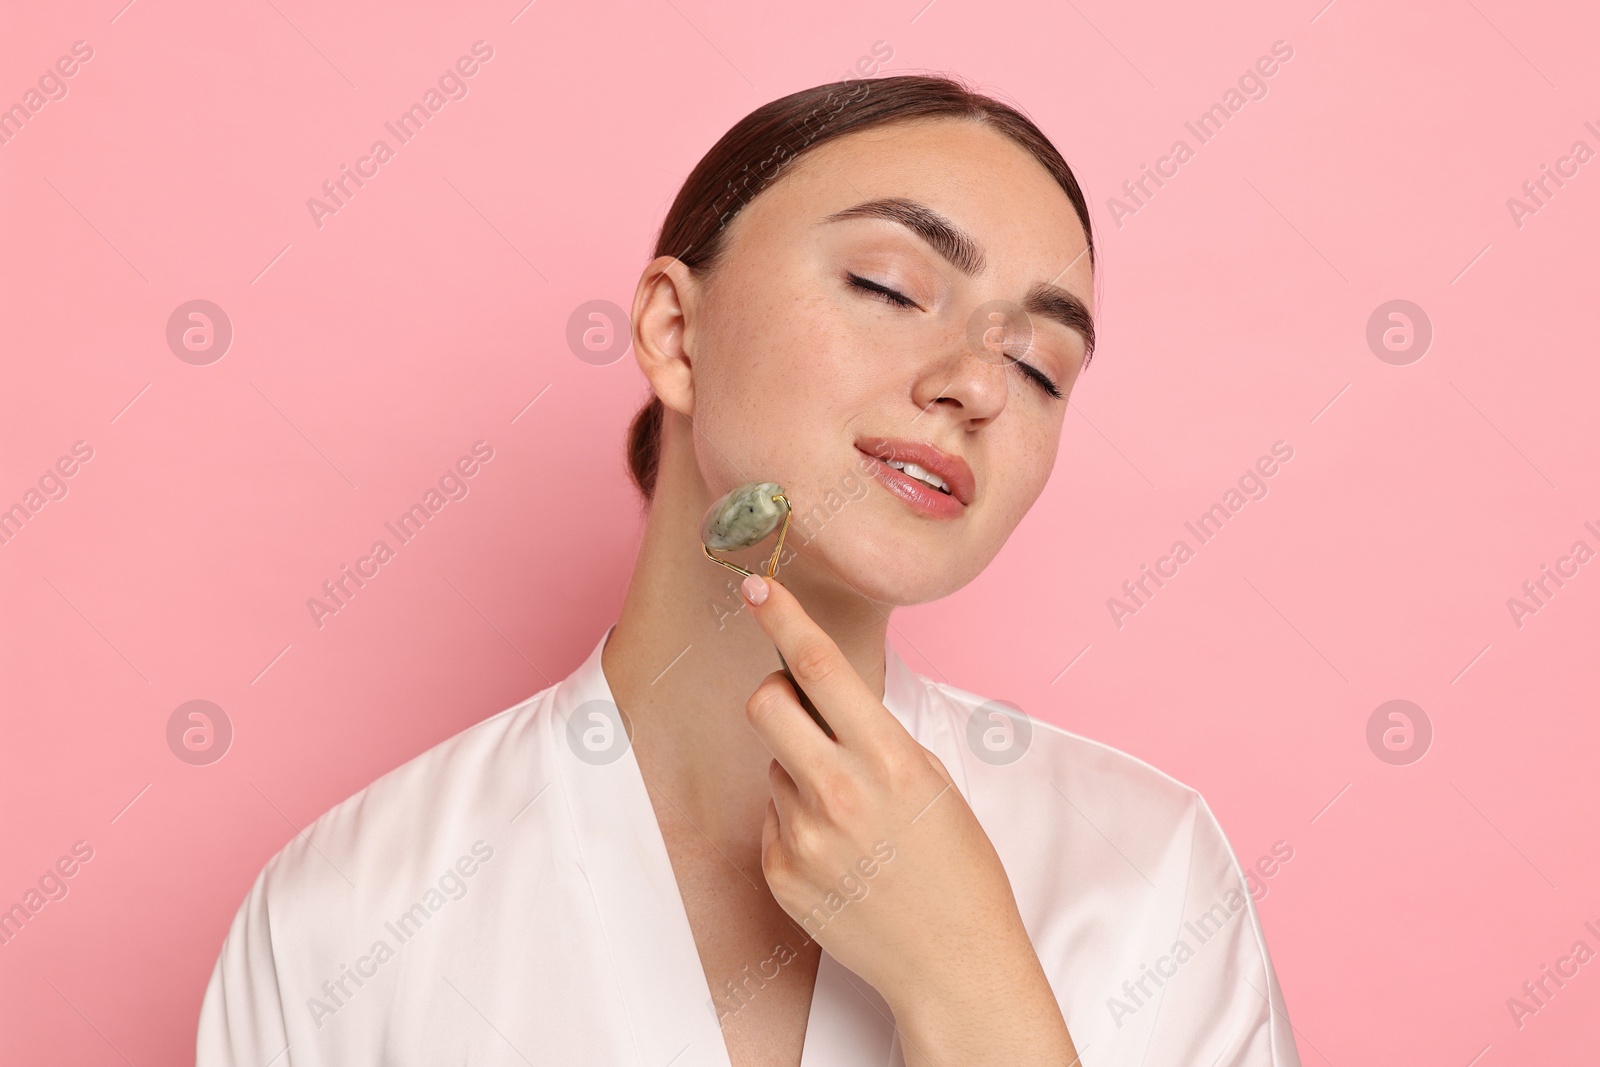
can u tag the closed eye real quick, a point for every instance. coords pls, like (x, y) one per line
(1038, 376)
(883, 291)
(889, 296)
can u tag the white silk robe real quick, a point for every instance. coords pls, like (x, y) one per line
(506, 898)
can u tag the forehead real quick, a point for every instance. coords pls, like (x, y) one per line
(978, 178)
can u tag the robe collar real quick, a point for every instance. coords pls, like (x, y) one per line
(651, 949)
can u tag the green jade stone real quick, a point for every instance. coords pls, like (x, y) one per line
(742, 517)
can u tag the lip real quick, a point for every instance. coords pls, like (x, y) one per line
(953, 469)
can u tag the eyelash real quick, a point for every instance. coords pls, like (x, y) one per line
(898, 300)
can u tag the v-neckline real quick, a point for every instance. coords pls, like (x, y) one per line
(651, 947)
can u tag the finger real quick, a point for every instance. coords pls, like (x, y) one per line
(938, 765)
(769, 836)
(819, 667)
(776, 866)
(784, 726)
(785, 793)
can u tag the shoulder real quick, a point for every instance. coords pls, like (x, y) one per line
(416, 819)
(1006, 755)
(1125, 880)
(1050, 799)
(367, 873)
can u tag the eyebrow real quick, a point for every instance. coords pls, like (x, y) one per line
(1046, 300)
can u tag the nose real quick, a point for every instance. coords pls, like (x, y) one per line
(968, 379)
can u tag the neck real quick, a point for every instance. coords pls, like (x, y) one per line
(686, 654)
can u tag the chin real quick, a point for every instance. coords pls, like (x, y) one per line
(883, 570)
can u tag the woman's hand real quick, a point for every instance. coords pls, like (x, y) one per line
(872, 849)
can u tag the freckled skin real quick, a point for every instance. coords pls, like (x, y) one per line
(792, 363)
(769, 368)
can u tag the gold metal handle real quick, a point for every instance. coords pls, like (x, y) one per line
(772, 572)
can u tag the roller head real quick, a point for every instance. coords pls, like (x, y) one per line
(742, 517)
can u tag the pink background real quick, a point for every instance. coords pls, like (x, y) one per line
(370, 353)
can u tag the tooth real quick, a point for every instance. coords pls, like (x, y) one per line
(927, 478)
(926, 475)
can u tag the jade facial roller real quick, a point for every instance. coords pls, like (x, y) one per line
(741, 518)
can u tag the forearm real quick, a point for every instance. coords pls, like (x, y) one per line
(1000, 1012)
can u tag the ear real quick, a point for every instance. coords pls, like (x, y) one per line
(663, 305)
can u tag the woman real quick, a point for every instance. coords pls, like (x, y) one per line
(877, 295)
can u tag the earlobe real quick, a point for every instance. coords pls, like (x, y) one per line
(662, 332)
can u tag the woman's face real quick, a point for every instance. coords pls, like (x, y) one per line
(802, 368)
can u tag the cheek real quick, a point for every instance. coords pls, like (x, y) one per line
(784, 415)
(795, 373)
(1022, 471)
(766, 345)
(823, 355)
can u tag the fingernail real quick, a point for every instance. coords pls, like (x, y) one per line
(755, 589)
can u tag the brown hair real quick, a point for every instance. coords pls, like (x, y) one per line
(752, 155)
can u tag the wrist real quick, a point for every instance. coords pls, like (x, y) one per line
(998, 1010)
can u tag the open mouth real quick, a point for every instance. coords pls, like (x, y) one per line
(940, 486)
(924, 469)
(927, 478)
